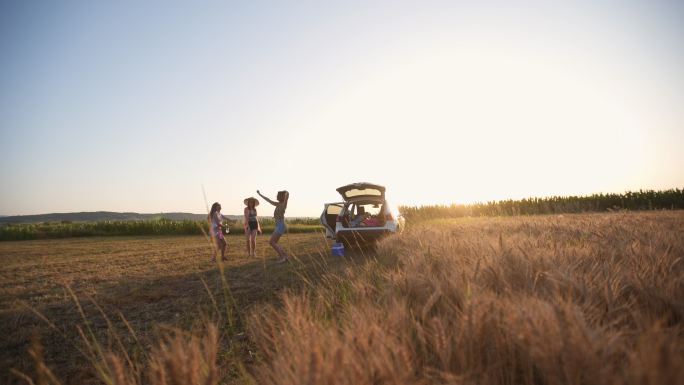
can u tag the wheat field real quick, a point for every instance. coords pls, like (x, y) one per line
(562, 299)
(576, 299)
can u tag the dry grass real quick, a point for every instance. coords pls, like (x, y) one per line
(579, 299)
(575, 299)
(149, 285)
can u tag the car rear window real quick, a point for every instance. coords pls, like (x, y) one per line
(362, 192)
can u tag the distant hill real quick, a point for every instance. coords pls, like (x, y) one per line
(99, 216)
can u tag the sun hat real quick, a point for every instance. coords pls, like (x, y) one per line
(256, 201)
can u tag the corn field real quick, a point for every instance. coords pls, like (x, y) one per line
(642, 200)
(16, 232)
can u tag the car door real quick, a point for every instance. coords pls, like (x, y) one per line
(329, 217)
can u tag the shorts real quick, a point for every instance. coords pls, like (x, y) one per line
(280, 228)
(253, 225)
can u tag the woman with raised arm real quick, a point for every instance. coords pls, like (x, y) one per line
(279, 217)
(216, 230)
(251, 223)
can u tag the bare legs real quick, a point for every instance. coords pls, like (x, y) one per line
(223, 249)
(279, 249)
(221, 246)
(251, 242)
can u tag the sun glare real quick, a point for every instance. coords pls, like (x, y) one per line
(482, 125)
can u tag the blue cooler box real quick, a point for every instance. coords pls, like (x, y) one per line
(338, 250)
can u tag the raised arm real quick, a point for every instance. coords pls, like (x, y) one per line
(266, 199)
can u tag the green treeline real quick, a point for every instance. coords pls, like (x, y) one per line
(65, 229)
(642, 200)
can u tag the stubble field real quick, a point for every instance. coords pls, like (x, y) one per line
(573, 299)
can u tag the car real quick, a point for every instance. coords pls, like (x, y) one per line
(363, 217)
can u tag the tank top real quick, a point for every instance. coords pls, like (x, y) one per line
(252, 215)
(216, 221)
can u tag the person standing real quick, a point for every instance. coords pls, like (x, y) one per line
(251, 224)
(279, 217)
(216, 230)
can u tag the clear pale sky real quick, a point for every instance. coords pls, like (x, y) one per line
(142, 105)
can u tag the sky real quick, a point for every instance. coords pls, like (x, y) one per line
(167, 106)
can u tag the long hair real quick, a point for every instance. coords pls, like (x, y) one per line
(214, 209)
(282, 197)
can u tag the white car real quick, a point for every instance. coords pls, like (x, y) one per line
(363, 217)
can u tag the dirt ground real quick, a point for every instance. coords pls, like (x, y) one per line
(154, 283)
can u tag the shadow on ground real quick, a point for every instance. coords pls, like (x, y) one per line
(152, 305)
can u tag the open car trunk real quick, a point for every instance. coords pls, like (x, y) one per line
(362, 190)
(364, 213)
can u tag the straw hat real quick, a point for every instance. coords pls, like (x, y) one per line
(256, 201)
